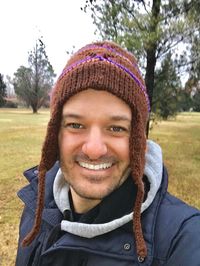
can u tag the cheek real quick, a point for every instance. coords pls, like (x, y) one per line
(68, 143)
(61, 142)
(121, 148)
(125, 153)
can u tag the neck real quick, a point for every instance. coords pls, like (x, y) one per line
(81, 204)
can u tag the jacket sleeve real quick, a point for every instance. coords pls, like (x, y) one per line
(185, 247)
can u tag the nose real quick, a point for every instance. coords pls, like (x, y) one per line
(94, 146)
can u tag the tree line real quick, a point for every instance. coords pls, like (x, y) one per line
(163, 34)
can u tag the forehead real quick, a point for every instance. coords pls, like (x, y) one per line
(96, 103)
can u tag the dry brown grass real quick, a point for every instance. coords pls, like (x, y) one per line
(22, 133)
(180, 141)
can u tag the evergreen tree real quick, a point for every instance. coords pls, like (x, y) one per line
(192, 92)
(167, 93)
(32, 84)
(192, 86)
(2, 91)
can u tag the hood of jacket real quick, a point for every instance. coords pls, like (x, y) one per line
(153, 171)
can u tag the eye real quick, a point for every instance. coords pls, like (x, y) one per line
(118, 129)
(74, 126)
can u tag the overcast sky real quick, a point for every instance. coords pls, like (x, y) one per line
(61, 23)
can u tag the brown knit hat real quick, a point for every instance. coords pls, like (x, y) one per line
(100, 66)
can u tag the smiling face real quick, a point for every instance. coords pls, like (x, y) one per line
(94, 145)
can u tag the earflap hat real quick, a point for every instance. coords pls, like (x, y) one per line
(100, 66)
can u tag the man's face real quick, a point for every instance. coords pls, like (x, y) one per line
(94, 143)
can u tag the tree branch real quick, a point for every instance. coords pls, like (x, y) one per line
(169, 47)
(134, 17)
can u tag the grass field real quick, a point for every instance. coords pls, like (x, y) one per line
(21, 136)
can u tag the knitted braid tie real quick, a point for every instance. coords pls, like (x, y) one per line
(137, 228)
(40, 205)
(101, 66)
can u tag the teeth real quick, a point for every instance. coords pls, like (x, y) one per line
(95, 166)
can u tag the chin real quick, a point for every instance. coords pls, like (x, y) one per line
(95, 192)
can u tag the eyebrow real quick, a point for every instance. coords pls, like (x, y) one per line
(116, 118)
(71, 115)
(120, 118)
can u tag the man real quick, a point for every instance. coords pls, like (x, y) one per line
(101, 187)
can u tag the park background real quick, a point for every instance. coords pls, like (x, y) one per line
(165, 38)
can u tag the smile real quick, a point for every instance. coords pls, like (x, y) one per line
(96, 167)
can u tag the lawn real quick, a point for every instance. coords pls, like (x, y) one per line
(180, 141)
(21, 137)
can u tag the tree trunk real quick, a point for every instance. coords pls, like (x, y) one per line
(34, 108)
(151, 53)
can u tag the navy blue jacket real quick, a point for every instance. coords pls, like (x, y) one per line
(171, 231)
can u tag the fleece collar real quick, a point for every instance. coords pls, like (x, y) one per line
(153, 172)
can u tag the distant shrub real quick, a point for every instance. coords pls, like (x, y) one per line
(10, 104)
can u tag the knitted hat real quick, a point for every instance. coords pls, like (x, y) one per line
(100, 66)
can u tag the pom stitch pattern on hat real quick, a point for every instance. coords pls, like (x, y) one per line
(100, 66)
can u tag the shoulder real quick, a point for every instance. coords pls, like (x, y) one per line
(176, 231)
(51, 214)
(28, 195)
(29, 192)
(32, 173)
(172, 207)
